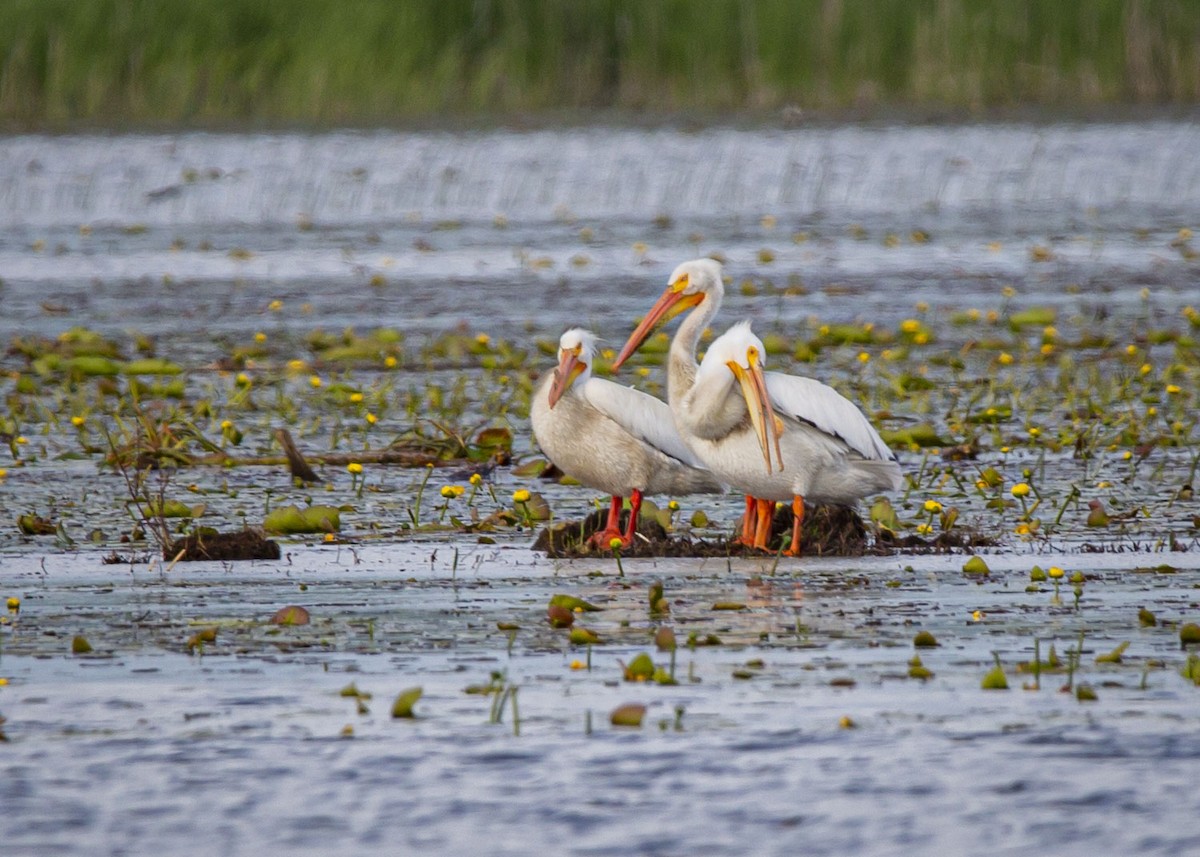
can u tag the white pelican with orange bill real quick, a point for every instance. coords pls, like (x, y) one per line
(612, 438)
(780, 437)
(824, 448)
(696, 286)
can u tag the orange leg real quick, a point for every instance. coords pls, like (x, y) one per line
(635, 507)
(762, 532)
(612, 529)
(749, 520)
(797, 520)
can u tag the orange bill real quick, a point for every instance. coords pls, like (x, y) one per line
(569, 368)
(758, 403)
(671, 304)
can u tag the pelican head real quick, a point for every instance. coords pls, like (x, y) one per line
(575, 350)
(743, 354)
(689, 285)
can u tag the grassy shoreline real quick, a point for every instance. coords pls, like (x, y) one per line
(112, 63)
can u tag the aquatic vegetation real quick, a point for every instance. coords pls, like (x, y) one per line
(995, 679)
(630, 715)
(976, 565)
(402, 706)
(290, 520)
(925, 640)
(291, 615)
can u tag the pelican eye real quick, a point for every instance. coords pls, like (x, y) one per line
(752, 354)
(680, 284)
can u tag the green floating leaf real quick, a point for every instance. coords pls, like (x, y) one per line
(1146, 619)
(291, 615)
(198, 640)
(991, 477)
(729, 605)
(80, 645)
(630, 714)
(1189, 634)
(559, 616)
(918, 670)
(172, 509)
(995, 679)
(403, 706)
(920, 435)
(1031, 317)
(531, 468)
(352, 690)
(1085, 693)
(34, 525)
(1113, 657)
(925, 640)
(91, 367)
(990, 416)
(884, 515)
(494, 439)
(572, 603)
(311, 519)
(664, 639)
(151, 366)
(583, 637)
(639, 669)
(975, 565)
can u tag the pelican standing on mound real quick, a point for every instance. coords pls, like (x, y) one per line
(781, 437)
(610, 437)
(846, 458)
(696, 286)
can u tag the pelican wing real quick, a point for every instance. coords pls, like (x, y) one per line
(820, 405)
(642, 415)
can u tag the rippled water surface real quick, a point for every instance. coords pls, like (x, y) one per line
(802, 732)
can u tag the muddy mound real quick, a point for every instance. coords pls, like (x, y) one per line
(828, 531)
(224, 547)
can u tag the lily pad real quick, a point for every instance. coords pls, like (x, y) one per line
(630, 714)
(403, 706)
(291, 615)
(311, 519)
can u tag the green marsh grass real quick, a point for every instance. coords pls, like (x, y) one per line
(118, 62)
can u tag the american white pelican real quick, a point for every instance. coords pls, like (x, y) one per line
(696, 284)
(778, 436)
(823, 446)
(610, 437)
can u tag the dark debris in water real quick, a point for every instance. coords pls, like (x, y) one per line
(224, 547)
(829, 530)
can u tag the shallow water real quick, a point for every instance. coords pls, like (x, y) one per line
(320, 215)
(141, 746)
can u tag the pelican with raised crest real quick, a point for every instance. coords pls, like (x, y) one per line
(611, 437)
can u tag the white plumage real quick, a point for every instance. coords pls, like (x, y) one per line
(781, 437)
(610, 437)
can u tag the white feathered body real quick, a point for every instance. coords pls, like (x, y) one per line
(830, 451)
(614, 439)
